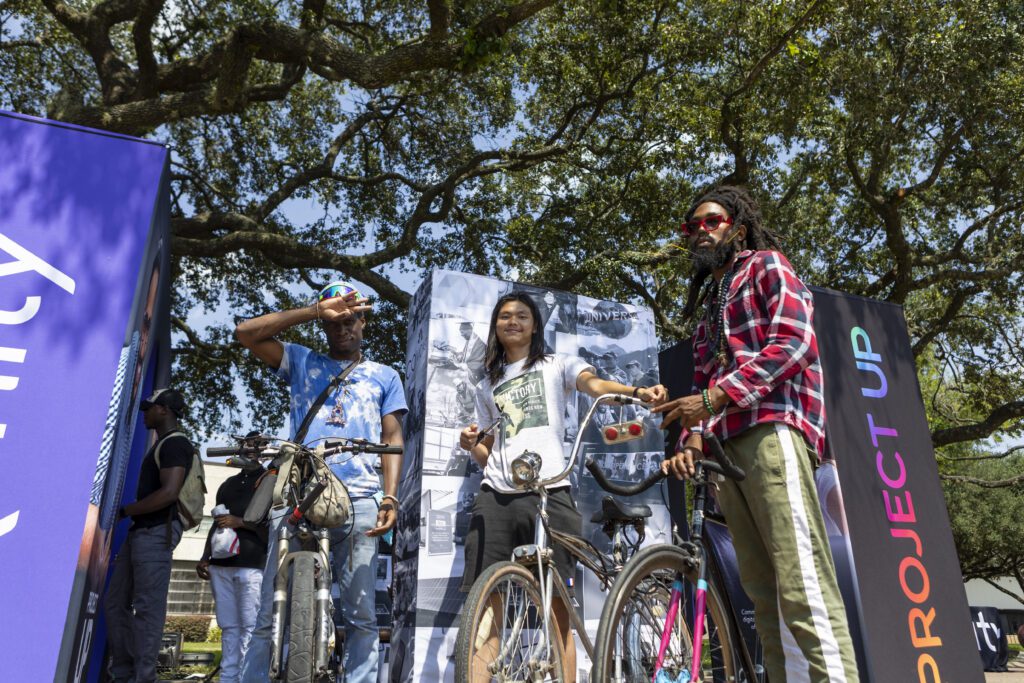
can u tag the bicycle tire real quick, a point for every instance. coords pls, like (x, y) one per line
(634, 618)
(515, 590)
(301, 619)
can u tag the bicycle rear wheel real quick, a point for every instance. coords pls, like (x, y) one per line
(633, 619)
(501, 637)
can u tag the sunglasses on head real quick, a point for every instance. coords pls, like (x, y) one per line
(333, 291)
(708, 223)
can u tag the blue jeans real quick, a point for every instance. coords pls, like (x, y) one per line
(136, 602)
(355, 570)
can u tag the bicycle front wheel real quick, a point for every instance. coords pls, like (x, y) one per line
(502, 636)
(302, 619)
(633, 620)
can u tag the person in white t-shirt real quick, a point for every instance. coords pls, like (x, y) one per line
(528, 389)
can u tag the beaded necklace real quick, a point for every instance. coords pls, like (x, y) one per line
(718, 301)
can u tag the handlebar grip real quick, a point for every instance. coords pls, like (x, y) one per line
(224, 451)
(722, 464)
(618, 489)
(628, 400)
(389, 450)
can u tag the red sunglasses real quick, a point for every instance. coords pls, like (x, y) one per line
(709, 223)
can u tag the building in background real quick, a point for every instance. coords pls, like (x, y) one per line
(188, 594)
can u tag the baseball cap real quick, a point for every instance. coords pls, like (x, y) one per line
(168, 398)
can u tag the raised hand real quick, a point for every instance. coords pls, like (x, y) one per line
(341, 307)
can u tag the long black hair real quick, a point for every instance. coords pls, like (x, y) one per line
(495, 361)
(744, 210)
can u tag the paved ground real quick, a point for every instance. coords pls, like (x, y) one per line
(1014, 675)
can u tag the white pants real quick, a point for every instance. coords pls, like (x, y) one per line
(237, 593)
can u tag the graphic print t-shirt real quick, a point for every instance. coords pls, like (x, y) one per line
(531, 404)
(352, 411)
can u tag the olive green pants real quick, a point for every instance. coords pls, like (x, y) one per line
(784, 558)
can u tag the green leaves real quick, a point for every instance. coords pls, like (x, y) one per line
(564, 143)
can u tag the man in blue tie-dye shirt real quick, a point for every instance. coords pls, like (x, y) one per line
(368, 404)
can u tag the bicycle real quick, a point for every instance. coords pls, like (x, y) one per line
(643, 636)
(302, 608)
(505, 634)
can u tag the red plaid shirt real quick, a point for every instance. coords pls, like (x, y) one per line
(772, 373)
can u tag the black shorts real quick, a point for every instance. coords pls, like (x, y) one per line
(502, 521)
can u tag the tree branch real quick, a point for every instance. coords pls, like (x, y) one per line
(979, 430)
(984, 483)
(997, 456)
(215, 352)
(1015, 596)
(216, 82)
(953, 308)
(143, 40)
(945, 152)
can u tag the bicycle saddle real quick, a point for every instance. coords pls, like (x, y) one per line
(615, 511)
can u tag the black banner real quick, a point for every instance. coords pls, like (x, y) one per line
(913, 609)
(991, 637)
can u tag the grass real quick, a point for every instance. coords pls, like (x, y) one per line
(184, 671)
(201, 647)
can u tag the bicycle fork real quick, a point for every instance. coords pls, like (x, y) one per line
(699, 601)
(324, 606)
(280, 601)
(323, 645)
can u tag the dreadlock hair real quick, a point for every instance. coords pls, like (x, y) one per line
(744, 210)
(494, 363)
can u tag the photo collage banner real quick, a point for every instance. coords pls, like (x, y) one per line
(448, 329)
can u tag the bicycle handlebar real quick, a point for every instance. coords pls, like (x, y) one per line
(331, 447)
(619, 489)
(723, 465)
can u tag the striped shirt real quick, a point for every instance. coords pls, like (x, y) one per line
(772, 372)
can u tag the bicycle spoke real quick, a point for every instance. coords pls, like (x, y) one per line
(642, 626)
(509, 642)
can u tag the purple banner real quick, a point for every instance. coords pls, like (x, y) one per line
(76, 212)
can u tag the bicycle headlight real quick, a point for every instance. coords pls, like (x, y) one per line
(525, 469)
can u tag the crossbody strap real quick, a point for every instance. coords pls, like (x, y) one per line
(300, 433)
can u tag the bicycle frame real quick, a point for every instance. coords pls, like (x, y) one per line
(697, 534)
(697, 549)
(540, 553)
(551, 580)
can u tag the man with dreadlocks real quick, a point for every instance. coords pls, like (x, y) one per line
(757, 387)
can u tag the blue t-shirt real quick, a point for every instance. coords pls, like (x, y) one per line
(352, 411)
